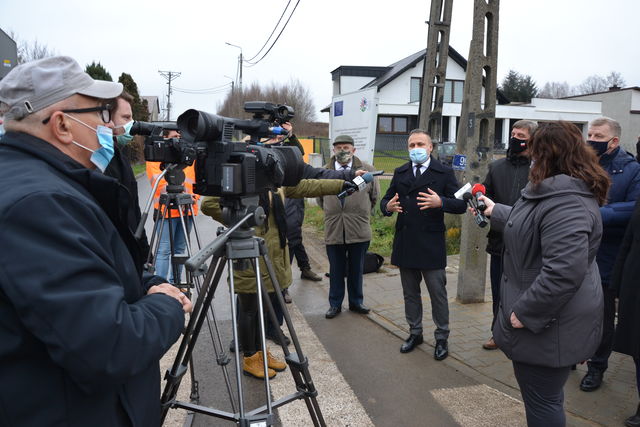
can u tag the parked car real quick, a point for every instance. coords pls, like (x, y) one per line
(446, 151)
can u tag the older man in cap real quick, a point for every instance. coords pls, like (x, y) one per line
(81, 332)
(347, 231)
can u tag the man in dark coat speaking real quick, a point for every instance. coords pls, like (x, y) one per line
(81, 333)
(421, 191)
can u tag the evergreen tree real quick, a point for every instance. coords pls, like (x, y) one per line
(140, 106)
(518, 87)
(98, 72)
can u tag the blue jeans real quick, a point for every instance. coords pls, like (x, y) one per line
(163, 257)
(346, 261)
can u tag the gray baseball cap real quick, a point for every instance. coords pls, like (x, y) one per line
(35, 85)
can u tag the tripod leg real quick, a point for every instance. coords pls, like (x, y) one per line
(299, 365)
(179, 367)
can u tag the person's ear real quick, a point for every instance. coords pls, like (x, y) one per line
(60, 127)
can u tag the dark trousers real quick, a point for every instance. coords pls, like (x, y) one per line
(249, 321)
(495, 271)
(300, 253)
(436, 281)
(600, 360)
(346, 260)
(637, 362)
(542, 392)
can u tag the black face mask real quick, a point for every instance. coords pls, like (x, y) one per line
(517, 146)
(599, 146)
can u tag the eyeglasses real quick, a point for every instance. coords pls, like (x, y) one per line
(104, 110)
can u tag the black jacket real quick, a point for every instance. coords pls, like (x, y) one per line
(79, 340)
(624, 281)
(120, 169)
(504, 182)
(419, 241)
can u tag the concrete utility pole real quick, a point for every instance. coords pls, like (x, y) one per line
(476, 135)
(240, 60)
(170, 76)
(435, 69)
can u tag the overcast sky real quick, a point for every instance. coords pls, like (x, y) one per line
(551, 40)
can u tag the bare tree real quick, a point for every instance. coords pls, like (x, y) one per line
(293, 93)
(592, 84)
(614, 79)
(556, 90)
(30, 51)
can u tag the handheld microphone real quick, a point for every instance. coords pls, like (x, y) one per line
(481, 220)
(277, 130)
(479, 190)
(360, 183)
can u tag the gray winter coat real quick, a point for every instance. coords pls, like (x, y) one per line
(550, 278)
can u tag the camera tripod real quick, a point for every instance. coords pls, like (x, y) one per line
(175, 199)
(239, 246)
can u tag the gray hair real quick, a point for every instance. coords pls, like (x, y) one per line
(614, 126)
(529, 125)
(420, 131)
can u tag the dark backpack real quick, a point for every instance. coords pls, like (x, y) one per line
(372, 262)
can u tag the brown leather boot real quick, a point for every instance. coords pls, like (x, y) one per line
(253, 366)
(273, 362)
(490, 344)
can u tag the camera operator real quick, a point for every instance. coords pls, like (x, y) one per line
(172, 222)
(79, 339)
(120, 169)
(274, 232)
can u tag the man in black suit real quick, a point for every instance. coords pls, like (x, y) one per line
(421, 191)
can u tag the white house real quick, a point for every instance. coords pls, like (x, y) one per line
(398, 94)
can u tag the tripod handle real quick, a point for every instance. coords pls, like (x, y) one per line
(141, 224)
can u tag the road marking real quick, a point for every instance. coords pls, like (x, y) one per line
(338, 402)
(480, 406)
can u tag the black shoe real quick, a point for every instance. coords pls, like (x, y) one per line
(442, 350)
(633, 420)
(411, 343)
(591, 381)
(360, 308)
(308, 274)
(273, 336)
(333, 312)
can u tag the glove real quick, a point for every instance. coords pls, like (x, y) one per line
(349, 186)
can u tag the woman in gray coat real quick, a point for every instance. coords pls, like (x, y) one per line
(551, 308)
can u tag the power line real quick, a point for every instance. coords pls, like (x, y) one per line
(251, 64)
(170, 76)
(211, 89)
(270, 35)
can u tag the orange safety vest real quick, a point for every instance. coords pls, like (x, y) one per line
(153, 172)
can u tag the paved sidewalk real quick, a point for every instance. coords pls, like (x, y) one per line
(470, 323)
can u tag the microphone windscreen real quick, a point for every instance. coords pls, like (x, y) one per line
(478, 188)
(367, 177)
(467, 196)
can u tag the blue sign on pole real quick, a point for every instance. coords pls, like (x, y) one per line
(459, 162)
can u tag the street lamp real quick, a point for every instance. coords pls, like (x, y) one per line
(239, 65)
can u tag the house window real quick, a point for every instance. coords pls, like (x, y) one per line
(389, 124)
(453, 91)
(414, 93)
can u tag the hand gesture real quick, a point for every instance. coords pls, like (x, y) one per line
(394, 205)
(288, 127)
(360, 172)
(429, 200)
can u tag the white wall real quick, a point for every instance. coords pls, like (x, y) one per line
(352, 83)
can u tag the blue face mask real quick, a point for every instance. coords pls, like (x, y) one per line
(418, 155)
(126, 137)
(103, 155)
